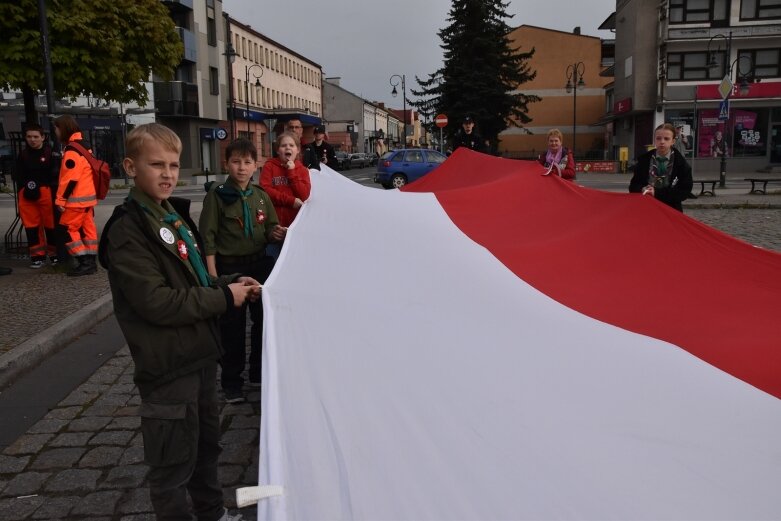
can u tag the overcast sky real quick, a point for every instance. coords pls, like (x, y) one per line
(366, 41)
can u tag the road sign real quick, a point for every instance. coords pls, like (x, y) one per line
(441, 120)
(725, 87)
(724, 110)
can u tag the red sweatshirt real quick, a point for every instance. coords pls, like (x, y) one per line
(284, 186)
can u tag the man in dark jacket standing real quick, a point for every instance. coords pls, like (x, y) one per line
(322, 150)
(467, 137)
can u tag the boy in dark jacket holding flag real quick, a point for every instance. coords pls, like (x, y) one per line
(167, 306)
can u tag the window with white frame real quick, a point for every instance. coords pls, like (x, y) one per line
(698, 11)
(692, 66)
(764, 63)
(760, 9)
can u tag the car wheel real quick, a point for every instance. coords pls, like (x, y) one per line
(398, 180)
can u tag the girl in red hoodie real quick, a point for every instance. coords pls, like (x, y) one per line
(286, 180)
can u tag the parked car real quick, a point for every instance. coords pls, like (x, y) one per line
(372, 157)
(399, 167)
(358, 160)
(342, 160)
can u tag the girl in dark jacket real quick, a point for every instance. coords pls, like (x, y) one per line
(663, 173)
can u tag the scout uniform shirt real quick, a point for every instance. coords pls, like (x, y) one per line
(235, 222)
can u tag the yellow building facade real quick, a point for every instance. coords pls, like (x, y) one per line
(556, 53)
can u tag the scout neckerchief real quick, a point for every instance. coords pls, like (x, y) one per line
(661, 167)
(187, 248)
(230, 194)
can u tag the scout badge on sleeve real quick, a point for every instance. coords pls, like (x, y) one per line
(182, 247)
(260, 216)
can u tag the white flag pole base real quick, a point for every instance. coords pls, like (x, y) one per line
(247, 496)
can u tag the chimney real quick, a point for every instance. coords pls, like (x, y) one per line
(576, 30)
(334, 80)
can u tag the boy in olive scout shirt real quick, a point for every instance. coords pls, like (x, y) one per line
(167, 306)
(237, 221)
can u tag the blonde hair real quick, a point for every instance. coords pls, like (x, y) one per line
(556, 132)
(139, 136)
(667, 126)
(291, 136)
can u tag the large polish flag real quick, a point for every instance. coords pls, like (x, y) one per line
(492, 343)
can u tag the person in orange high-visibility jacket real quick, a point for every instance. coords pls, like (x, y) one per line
(76, 199)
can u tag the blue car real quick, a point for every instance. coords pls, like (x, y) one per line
(399, 167)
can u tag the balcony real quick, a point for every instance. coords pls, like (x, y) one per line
(176, 98)
(190, 44)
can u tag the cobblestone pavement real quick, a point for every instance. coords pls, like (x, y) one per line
(41, 298)
(755, 226)
(84, 459)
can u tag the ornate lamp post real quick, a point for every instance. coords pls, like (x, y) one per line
(246, 86)
(574, 84)
(395, 93)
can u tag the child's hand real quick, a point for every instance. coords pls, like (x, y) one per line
(278, 233)
(243, 293)
(289, 162)
(254, 284)
(648, 190)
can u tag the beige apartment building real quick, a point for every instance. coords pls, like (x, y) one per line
(269, 85)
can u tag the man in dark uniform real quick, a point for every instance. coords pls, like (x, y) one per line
(467, 137)
(322, 150)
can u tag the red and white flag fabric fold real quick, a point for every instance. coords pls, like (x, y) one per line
(493, 343)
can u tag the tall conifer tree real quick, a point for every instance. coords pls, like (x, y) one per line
(481, 71)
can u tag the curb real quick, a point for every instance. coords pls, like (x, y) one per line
(29, 353)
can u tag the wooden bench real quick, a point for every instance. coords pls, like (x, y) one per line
(703, 182)
(757, 180)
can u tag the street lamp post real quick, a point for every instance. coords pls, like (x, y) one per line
(395, 93)
(712, 63)
(574, 83)
(230, 55)
(246, 87)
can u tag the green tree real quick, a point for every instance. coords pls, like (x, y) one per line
(102, 48)
(481, 72)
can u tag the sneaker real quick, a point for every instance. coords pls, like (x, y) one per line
(232, 396)
(54, 261)
(227, 516)
(36, 264)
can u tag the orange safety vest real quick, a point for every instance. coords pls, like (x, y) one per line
(75, 167)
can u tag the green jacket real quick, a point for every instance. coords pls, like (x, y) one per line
(222, 220)
(169, 321)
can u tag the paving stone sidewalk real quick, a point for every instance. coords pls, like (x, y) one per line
(84, 459)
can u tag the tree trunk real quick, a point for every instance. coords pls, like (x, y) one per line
(30, 113)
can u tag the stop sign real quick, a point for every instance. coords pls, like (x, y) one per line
(441, 120)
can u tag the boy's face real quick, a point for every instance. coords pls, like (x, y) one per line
(155, 170)
(663, 139)
(34, 139)
(240, 168)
